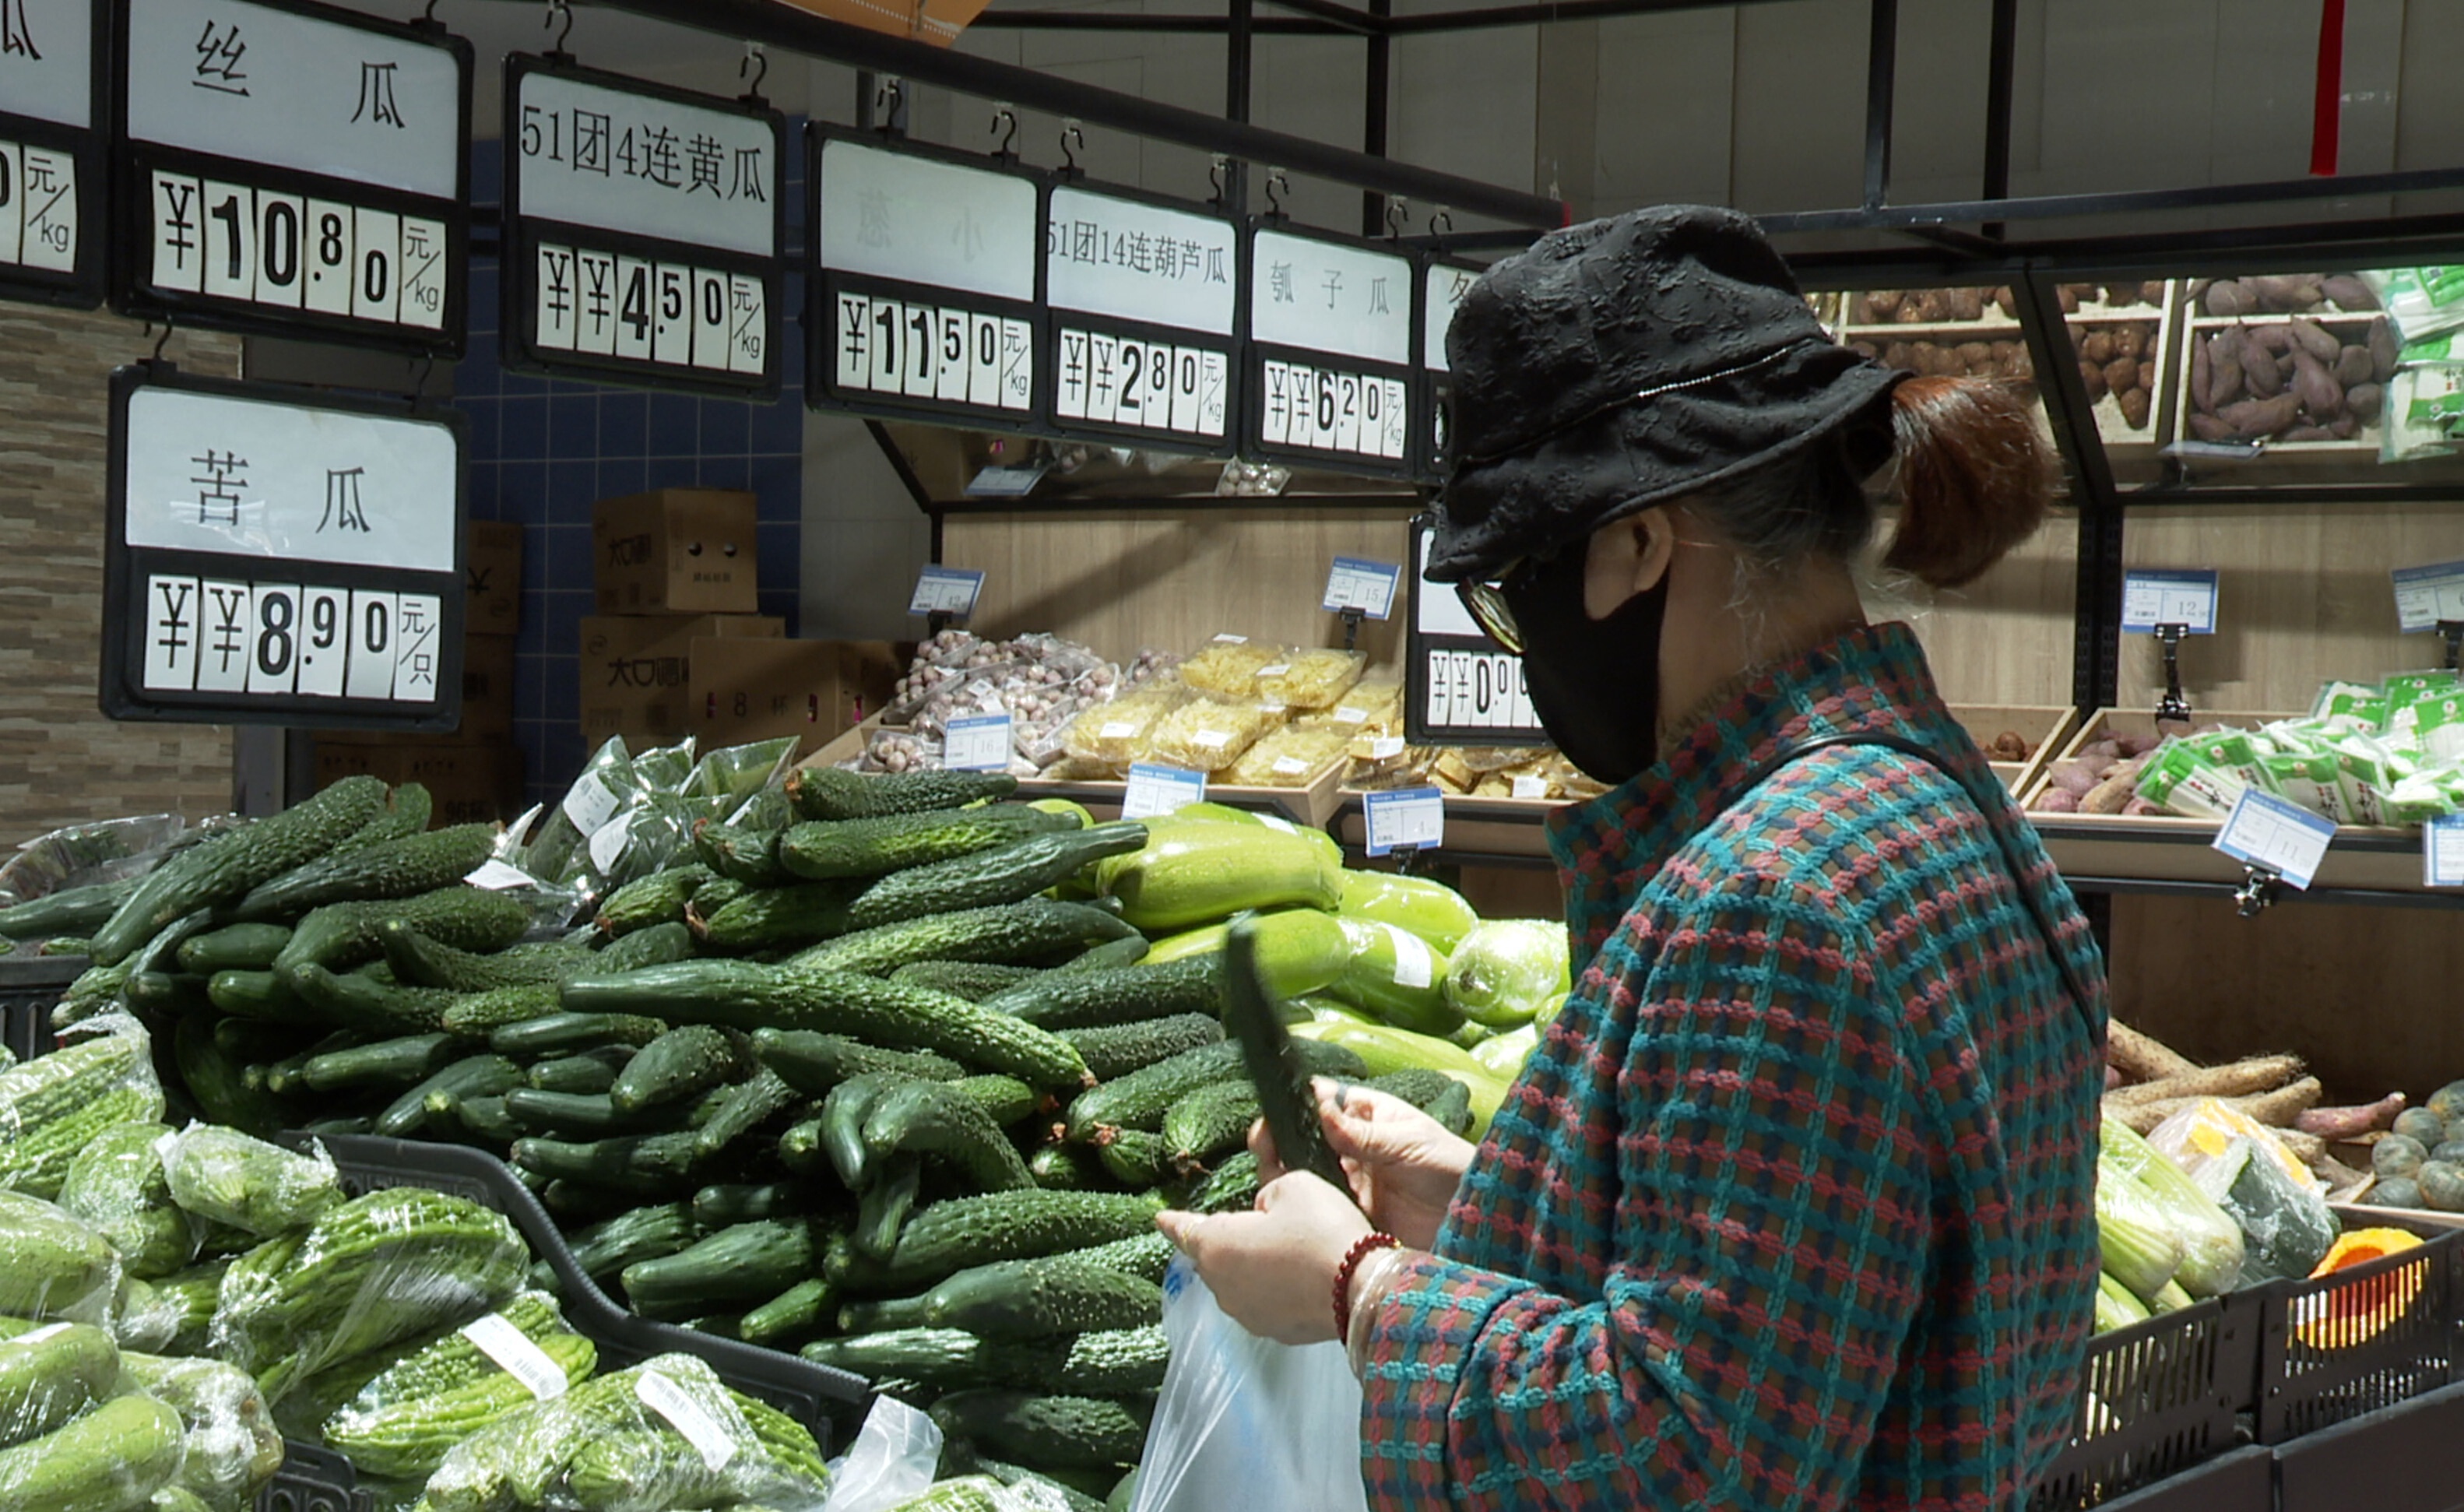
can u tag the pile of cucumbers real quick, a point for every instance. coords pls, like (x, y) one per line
(895, 1070)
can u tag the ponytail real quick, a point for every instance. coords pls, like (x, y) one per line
(1974, 477)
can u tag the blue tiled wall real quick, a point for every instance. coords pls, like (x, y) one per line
(542, 451)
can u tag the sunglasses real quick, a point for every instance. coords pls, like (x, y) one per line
(1486, 602)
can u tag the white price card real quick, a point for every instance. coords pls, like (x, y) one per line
(1406, 818)
(2424, 596)
(946, 590)
(2184, 597)
(977, 743)
(1357, 583)
(706, 1434)
(514, 1351)
(1156, 789)
(2267, 832)
(2442, 852)
(497, 876)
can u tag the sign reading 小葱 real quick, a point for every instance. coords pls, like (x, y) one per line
(273, 558)
(1144, 293)
(289, 168)
(643, 228)
(53, 76)
(1460, 688)
(924, 270)
(1331, 351)
(1443, 284)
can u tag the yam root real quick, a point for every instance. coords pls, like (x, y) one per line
(2142, 1057)
(2112, 795)
(2285, 1103)
(2259, 1073)
(2278, 1108)
(2350, 1123)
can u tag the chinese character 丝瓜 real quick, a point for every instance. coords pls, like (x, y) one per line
(376, 97)
(344, 509)
(215, 490)
(218, 56)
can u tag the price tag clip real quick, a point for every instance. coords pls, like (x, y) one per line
(2280, 844)
(2173, 705)
(2452, 631)
(2258, 892)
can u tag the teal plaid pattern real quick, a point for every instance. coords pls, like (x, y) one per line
(1791, 1208)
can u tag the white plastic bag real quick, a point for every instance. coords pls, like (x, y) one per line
(894, 1458)
(1244, 1423)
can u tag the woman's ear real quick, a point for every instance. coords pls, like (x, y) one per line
(1627, 557)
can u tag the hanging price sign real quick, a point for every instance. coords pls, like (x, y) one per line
(1460, 688)
(644, 228)
(53, 76)
(274, 560)
(1331, 351)
(1443, 284)
(291, 169)
(1144, 293)
(925, 271)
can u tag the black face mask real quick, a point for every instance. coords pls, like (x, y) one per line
(1594, 683)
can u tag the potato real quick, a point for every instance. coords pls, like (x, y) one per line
(2119, 294)
(2353, 366)
(2137, 404)
(2152, 292)
(1929, 306)
(1976, 358)
(1912, 309)
(2383, 350)
(1900, 354)
(2007, 302)
(2122, 374)
(2316, 387)
(2097, 346)
(2347, 291)
(1882, 304)
(1865, 350)
(2313, 337)
(2362, 402)
(2226, 297)
(1963, 304)
(2093, 377)
(2020, 367)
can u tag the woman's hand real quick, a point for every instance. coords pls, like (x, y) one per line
(1403, 1165)
(1272, 1269)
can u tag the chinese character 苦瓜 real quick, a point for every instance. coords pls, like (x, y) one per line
(703, 156)
(16, 37)
(872, 218)
(1279, 278)
(750, 176)
(377, 104)
(343, 510)
(218, 56)
(215, 490)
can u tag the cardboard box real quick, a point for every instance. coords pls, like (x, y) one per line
(743, 691)
(635, 669)
(674, 551)
(487, 688)
(492, 576)
(472, 781)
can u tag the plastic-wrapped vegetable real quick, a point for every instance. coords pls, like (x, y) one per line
(51, 1106)
(57, 1266)
(1312, 679)
(232, 1446)
(2141, 1250)
(52, 1374)
(2287, 1227)
(1228, 665)
(87, 855)
(410, 1416)
(376, 1270)
(115, 1457)
(1114, 732)
(1506, 969)
(1207, 734)
(117, 1185)
(226, 1176)
(2211, 1247)
(1290, 757)
(663, 1435)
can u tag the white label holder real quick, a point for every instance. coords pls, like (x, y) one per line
(977, 743)
(1359, 585)
(2442, 852)
(2426, 596)
(2187, 598)
(946, 590)
(2268, 834)
(1404, 819)
(1155, 789)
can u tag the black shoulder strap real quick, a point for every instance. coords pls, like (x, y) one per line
(1918, 750)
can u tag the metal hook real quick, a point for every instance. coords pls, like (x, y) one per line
(426, 371)
(162, 340)
(429, 17)
(754, 52)
(1005, 118)
(555, 9)
(1216, 168)
(1442, 220)
(1275, 180)
(1398, 214)
(885, 101)
(1071, 131)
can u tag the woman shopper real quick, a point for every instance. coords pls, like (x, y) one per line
(1793, 1205)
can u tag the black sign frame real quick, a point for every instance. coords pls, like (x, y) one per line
(1437, 388)
(823, 288)
(132, 293)
(1256, 354)
(1234, 344)
(1420, 647)
(518, 263)
(85, 284)
(121, 691)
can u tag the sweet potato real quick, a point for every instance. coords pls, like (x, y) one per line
(2316, 387)
(2208, 428)
(2383, 350)
(2352, 367)
(2225, 356)
(2142, 1057)
(2314, 339)
(1963, 304)
(2202, 376)
(2058, 801)
(2097, 346)
(2278, 1108)
(2254, 418)
(2349, 292)
(2350, 1123)
(2275, 339)
(2244, 1078)
(2226, 297)
(2285, 293)
(2122, 375)
(2362, 402)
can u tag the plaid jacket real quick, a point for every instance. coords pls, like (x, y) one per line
(1793, 1205)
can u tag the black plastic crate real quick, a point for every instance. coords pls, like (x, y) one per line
(2237, 1481)
(2157, 1398)
(2403, 1458)
(31, 986)
(2368, 1337)
(313, 1479)
(830, 1402)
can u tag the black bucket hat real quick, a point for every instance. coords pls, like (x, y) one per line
(1623, 362)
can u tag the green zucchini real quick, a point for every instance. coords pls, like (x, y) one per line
(234, 948)
(590, 1071)
(844, 1113)
(747, 1262)
(219, 1085)
(472, 1076)
(940, 1118)
(572, 1033)
(659, 898)
(821, 792)
(1140, 1099)
(605, 1248)
(165, 994)
(381, 1066)
(1128, 995)
(743, 995)
(814, 1062)
(719, 1207)
(801, 1147)
(1116, 1050)
(1105, 1362)
(679, 1065)
(1027, 933)
(949, 1236)
(775, 919)
(222, 870)
(973, 980)
(1076, 1431)
(1127, 951)
(874, 847)
(398, 868)
(991, 878)
(1037, 1299)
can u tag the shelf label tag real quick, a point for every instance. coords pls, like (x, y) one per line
(1408, 818)
(2284, 838)
(1156, 789)
(946, 590)
(497, 876)
(2424, 596)
(2442, 852)
(977, 743)
(2186, 598)
(1356, 583)
(498, 1338)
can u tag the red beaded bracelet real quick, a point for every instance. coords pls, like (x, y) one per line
(1352, 1258)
